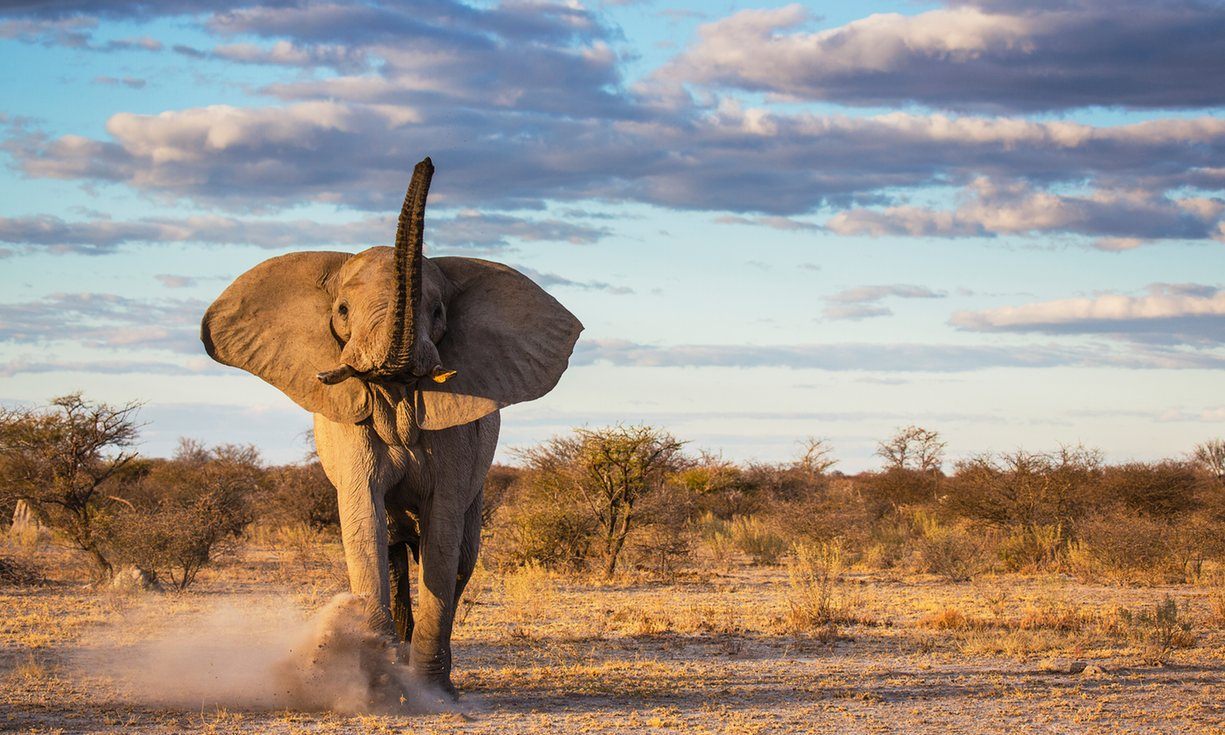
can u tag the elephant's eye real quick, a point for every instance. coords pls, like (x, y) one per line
(438, 313)
(343, 310)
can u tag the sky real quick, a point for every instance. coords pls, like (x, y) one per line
(997, 219)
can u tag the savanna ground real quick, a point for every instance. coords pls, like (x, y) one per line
(731, 647)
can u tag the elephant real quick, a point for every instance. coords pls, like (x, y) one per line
(405, 362)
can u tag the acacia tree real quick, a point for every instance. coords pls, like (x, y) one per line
(60, 460)
(612, 470)
(912, 448)
(816, 457)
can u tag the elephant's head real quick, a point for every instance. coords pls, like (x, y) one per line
(463, 337)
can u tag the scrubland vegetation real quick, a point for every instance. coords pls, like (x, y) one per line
(630, 583)
(1058, 512)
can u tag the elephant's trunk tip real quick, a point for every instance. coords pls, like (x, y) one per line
(336, 375)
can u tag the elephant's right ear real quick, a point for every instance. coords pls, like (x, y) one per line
(275, 321)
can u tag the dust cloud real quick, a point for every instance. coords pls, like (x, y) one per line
(259, 654)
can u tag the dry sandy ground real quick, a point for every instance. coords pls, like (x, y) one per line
(706, 654)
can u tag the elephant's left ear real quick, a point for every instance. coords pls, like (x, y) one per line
(508, 340)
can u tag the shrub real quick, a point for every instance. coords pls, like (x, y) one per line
(1193, 539)
(18, 572)
(1033, 548)
(754, 537)
(300, 494)
(304, 553)
(1158, 631)
(720, 487)
(953, 552)
(886, 492)
(541, 524)
(1027, 489)
(186, 511)
(949, 618)
(1141, 550)
(773, 483)
(1209, 457)
(661, 543)
(716, 536)
(835, 510)
(891, 541)
(1216, 602)
(498, 484)
(813, 576)
(1160, 489)
(1123, 547)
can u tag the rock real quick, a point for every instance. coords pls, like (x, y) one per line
(132, 579)
(1062, 666)
(1093, 670)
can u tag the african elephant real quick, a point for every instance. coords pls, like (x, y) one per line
(405, 362)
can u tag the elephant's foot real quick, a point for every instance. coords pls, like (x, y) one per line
(434, 685)
(431, 674)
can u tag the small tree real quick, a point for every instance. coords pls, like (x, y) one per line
(612, 470)
(912, 448)
(816, 458)
(1210, 457)
(61, 459)
(913, 457)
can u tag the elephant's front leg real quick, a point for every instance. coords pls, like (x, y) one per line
(430, 652)
(459, 459)
(361, 471)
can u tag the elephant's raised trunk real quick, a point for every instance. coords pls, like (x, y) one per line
(410, 237)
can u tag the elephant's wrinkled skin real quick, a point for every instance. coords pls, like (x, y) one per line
(405, 362)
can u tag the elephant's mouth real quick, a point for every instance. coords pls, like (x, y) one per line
(438, 374)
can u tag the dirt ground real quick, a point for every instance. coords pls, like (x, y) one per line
(710, 652)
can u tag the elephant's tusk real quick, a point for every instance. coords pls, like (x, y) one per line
(336, 375)
(442, 376)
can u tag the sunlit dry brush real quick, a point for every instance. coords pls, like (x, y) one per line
(553, 651)
(762, 598)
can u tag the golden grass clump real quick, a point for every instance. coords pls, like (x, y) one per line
(949, 618)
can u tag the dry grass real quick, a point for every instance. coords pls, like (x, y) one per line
(1214, 598)
(950, 618)
(741, 650)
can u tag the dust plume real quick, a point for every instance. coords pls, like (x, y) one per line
(261, 654)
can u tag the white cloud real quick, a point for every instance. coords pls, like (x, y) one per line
(1167, 313)
(463, 230)
(1121, 219)
(1009, 56)
(862, 302)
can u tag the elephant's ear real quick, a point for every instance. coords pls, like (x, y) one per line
(275, 321)
(509, 340)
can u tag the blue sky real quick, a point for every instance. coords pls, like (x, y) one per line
(999, 220)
